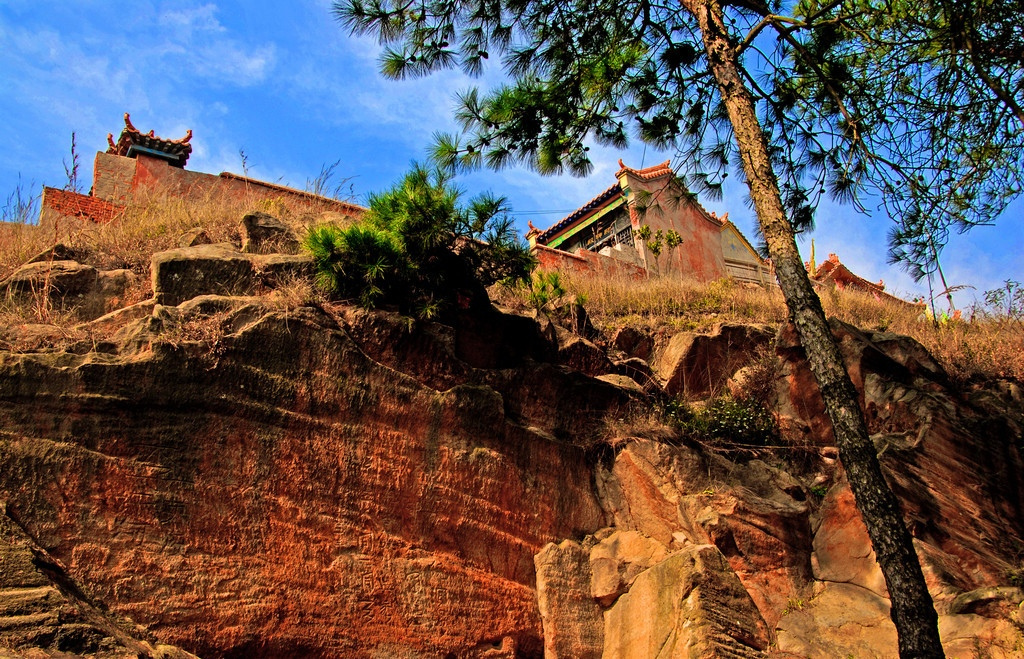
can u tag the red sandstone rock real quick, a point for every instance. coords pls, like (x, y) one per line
(956, 468)
(307, 484)
(689, 605)
(634, 342)
(43, 613)
(573, 625)
(579, 354)
(616, 560)
(289, 495)
(701, 364)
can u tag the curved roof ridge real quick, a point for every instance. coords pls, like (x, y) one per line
(177, 150)
(646, 173)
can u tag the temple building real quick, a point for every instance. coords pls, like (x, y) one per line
(626, 230)
(833, 274)
(140, 161)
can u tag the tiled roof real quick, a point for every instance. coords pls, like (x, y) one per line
(177, 151)
(579, 213)
(832, 270)
(648, 173)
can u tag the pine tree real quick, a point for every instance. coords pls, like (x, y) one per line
(836, 98)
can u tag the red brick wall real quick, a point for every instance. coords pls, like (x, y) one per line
(71, 204)
(585, 263)
(155, 173)
(115, 177)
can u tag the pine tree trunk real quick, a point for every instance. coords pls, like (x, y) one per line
(912, 608)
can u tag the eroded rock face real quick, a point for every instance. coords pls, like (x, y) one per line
(956, 467)
(341, 483)
(573, 626)
(700, 364)
(43, 612)
(689, 605)
(288, 495)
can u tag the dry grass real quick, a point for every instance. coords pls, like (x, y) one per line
(151, 223)
(985, 346)
(982, 347)
(659, 303)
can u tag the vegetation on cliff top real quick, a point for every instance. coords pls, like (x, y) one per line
(987, 343)
(420, 249)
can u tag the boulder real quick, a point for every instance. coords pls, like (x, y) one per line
(753, 513)
(843, 620)
(639, 371)
(701, 364)
(634, 342)
(59, 252)
(193, 237)
(980, 636)
(582, 355)
(60, 279)
(573, 626)
(184, 273)
(689, 605)
(842, 548)
(72, 285)
(616, 561)
(265, 234)
(623, 382)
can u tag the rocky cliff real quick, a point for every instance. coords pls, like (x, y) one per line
(237, 480)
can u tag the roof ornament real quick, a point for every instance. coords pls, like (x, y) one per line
(132, 142)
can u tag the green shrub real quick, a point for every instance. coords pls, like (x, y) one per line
(419, 250)
(724, 421)
(546, 288)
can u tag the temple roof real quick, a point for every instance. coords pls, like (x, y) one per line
(611, 194)
(579, 213)
(648, 173)
(832, 271)
(133, 141)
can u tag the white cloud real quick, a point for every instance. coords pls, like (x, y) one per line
(194, 19)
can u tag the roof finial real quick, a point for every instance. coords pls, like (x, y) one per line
(622, 165)
(128, 123)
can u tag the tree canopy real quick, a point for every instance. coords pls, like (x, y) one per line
(917, 102)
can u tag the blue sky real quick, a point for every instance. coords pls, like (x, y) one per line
(284, 83)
